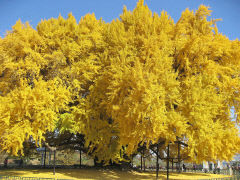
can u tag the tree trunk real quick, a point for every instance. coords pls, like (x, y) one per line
(179, 168)
(54, 162)
(80, 157)
(96, 163)
(168, 162)
(49, 160)
(45, 156)
(144, 167)
(157, 165)
(132, 161)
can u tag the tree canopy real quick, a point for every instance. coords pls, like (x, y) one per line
(140, 79)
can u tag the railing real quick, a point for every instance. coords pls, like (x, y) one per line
(27, 178)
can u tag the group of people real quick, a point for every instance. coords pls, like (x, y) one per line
(184, 168)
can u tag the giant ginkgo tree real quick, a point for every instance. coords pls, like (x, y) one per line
(168, 81)
(138, 80)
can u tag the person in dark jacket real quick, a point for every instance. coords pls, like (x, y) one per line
(21, 162)
(6, 162)
(184, 167)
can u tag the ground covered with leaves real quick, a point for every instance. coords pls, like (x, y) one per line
(102, 174)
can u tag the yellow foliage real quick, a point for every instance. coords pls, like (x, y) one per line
(138, 79)
(164, 80)
(28, 112)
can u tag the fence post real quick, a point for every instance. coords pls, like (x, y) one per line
(157, 165)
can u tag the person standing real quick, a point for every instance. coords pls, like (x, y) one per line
(218, 167)
(194, 168)
(230, 170)
(21, 162)
(6, 162)
(184, 167)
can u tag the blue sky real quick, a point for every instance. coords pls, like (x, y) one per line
(35, 10)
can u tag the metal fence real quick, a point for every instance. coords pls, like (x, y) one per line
(27, 178)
